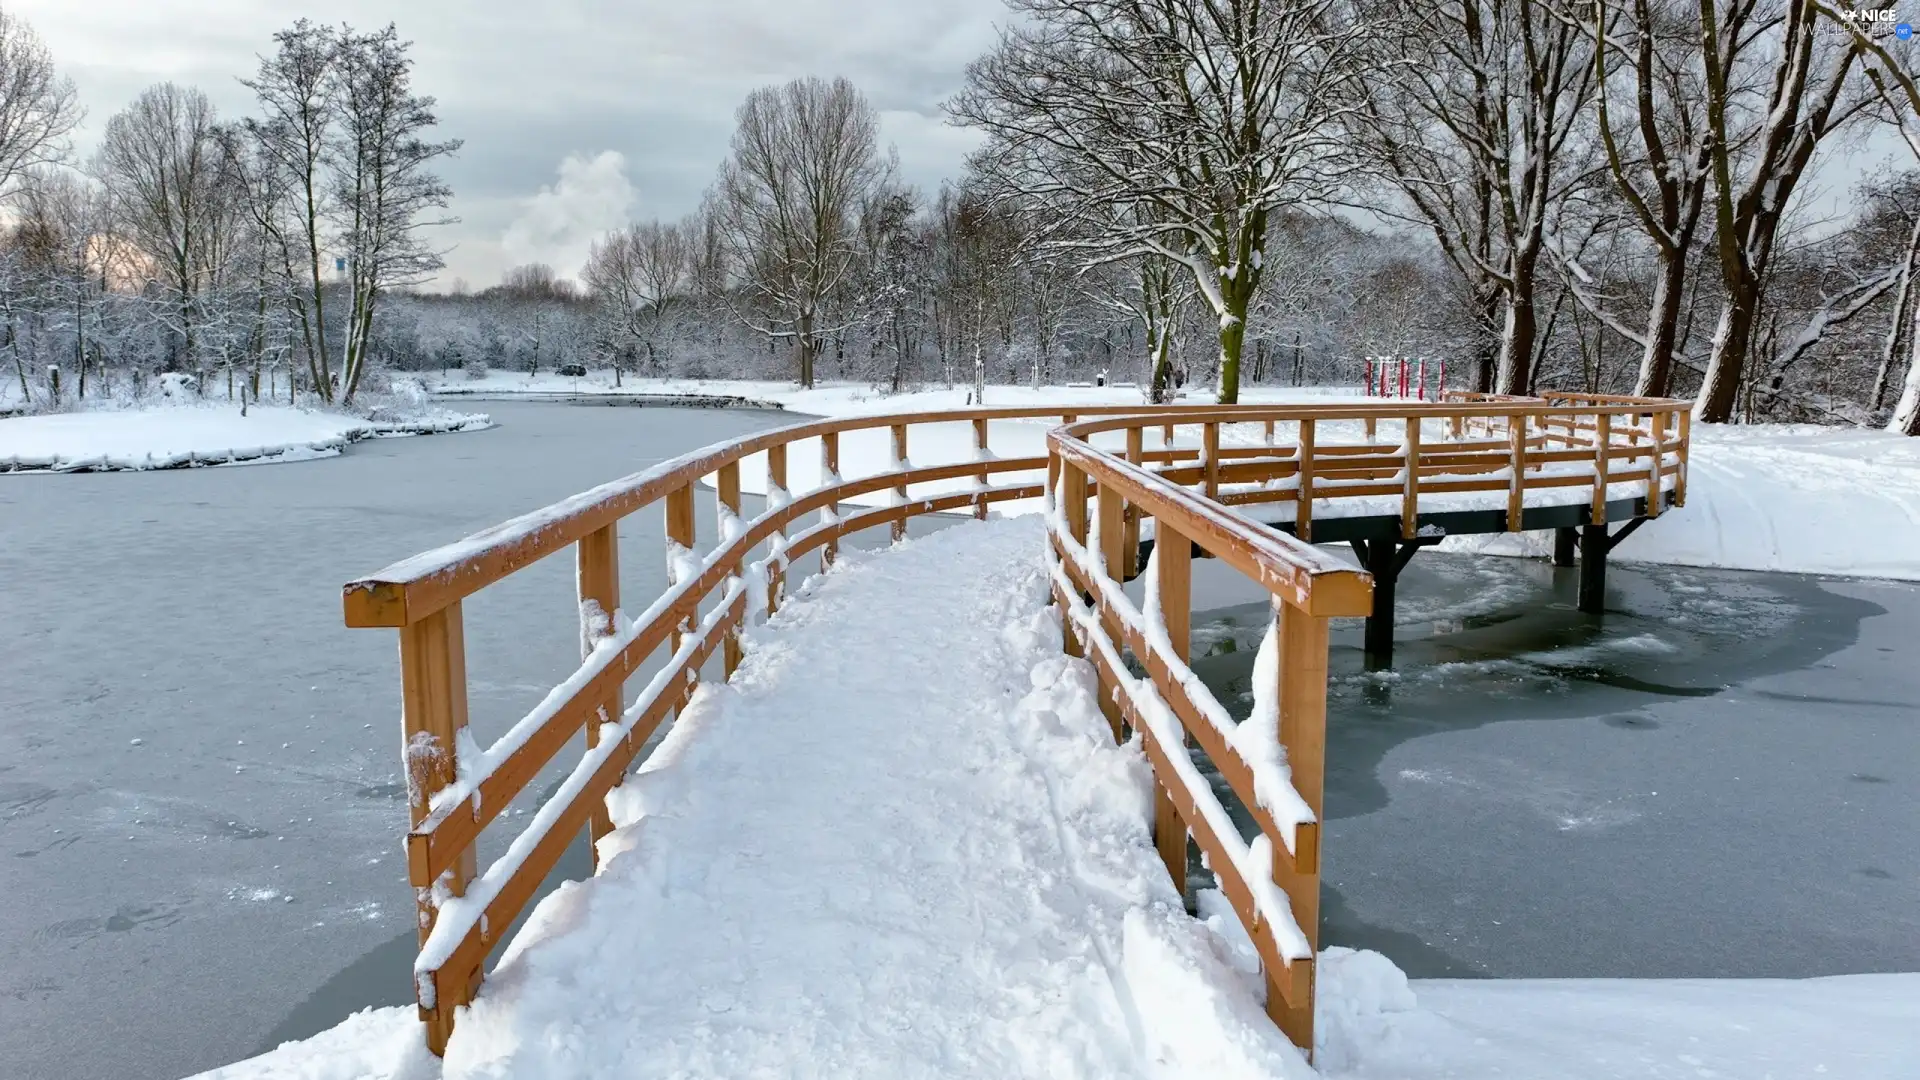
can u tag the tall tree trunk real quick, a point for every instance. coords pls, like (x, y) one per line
(804, 350)
(1906, 414)
(1897, 331)
(1663, 326)
(1731, 340)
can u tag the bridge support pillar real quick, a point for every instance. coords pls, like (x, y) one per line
(1382, 559)
(1594, 546)
(1564, 540)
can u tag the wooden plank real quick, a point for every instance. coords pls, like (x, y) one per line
(1173, 577)
(830, 455)
(1657, 423)
(900, 489)
(1517, 461)
(1210, 458)
(1410, 498)
(1603, 453)
(727, 505)
(980, 445)
(1680, 481)
(679, 532)
(1303, 731)
(597, 573)
(1303, 495)
(776, 568)
(433, 711)
(1130, 555)
(1073, 492)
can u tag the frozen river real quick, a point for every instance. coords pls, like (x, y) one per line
(200, 802)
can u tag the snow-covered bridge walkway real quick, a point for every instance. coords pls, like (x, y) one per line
(900, 842)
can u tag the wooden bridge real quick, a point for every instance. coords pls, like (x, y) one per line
(1126, 492)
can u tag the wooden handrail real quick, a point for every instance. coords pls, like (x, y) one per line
(1187, 491)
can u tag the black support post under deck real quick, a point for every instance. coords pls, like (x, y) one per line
(1564, 539)
(1594, 546)
(1383, 562)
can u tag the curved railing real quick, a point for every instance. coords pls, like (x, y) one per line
(456, 789)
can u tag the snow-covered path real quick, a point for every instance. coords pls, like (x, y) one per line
(900, 843)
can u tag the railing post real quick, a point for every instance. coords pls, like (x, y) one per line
(679, 545)
(980, 449)
(1113, 539)
(433, 710)
(727, 481)
(1303, 494)
(1602, 460)
(597, 571)
(1173, 568)
(1303, 733)
(1517, 447)
(776, 558)
(1073, 483)
(900, 489)
(1656, 470)
(1210, 443)
(1686, 444)
(1136, 450)
(830, 468)
(1410, 496)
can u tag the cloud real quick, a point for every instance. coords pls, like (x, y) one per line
(557, 225)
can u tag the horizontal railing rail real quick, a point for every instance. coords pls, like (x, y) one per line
(1190, 489)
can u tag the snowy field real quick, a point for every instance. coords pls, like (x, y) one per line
(1759, 497)
(175, 436)
(819, 918)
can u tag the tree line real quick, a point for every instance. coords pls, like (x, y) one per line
(1608, 195)
(267, 244)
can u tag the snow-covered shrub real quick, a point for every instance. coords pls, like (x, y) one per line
(178, 386)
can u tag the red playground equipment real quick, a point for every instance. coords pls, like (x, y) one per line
(1391, 376)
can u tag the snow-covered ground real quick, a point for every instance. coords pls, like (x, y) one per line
(1797, 498)
(172, 436)
(1793, 497)
(844, 399)
(990, 903)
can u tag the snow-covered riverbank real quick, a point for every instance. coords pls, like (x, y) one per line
(181, 436)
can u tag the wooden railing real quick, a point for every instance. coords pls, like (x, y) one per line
(455, 794)
(463, 913)
(1272, 761)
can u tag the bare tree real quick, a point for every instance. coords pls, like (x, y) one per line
(1807, 74)
(383, 183)
(1166, 127)
(64, 223)
(165, 170)
(38, 108)
(1660, 167)
(638, 278)
(805, 158)
(297, 90)
(1896, 86)
(1472, 128)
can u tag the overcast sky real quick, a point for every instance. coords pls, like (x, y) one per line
(578, 115)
